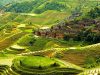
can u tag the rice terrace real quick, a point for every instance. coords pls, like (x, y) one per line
(49, 37)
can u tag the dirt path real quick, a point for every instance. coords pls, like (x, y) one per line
(28, 14)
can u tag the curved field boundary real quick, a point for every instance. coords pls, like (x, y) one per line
(46, 50)
(94, 71)
(4, 69)
(18, 68)
(10, 40)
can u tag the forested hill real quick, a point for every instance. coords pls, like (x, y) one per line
(84, 28)
(4, 2)
(40, 6)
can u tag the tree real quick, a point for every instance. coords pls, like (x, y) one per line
(90, 62)
(66, 37)
(40, 67)
(55, 64)
(94, 13)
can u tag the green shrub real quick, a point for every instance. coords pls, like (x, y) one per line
(92, 62)
(27, 40)
(55, 65)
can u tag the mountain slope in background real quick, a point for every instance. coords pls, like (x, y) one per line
(60, 29)
(40, 6)
(48, 9)
(4, 2)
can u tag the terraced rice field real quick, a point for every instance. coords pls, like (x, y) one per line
(33, 66)
(93, 71)
(10, 40)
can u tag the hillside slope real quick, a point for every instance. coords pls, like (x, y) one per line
(39, 6)
(4, 2)
(84, 28)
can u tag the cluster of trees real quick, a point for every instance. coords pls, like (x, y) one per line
(92, 62)
(24, 7)
(94, 13)
(35, 6)
(20, 7)
(27, 40)
(85, 36)
(0, 6)
(88, 36)
(50, 6)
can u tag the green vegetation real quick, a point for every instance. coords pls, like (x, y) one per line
(10, 40)
(40, 65)
(39, 6)
(89, 32)
(50, 6)
(3, 69)
(39, 44)
(94, 13)
(46, 18)
(26, 6)
(92, 62)
(37, 61)
(26, 53)
(27, 40)
(88, 36)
